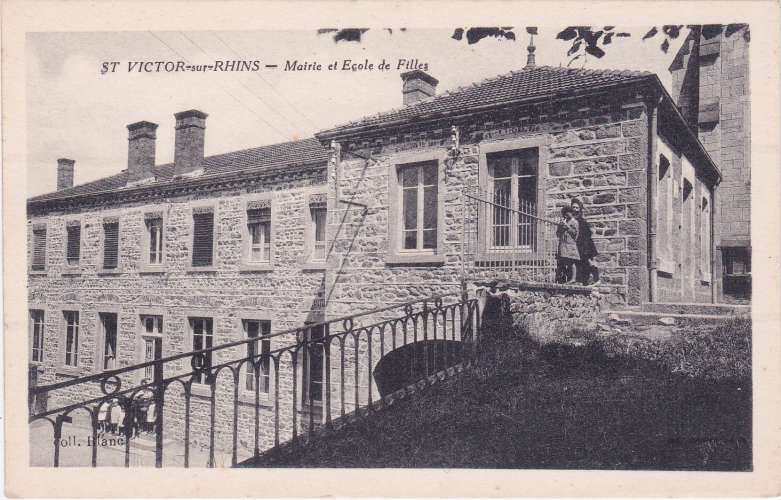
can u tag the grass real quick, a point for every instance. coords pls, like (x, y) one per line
(602, 403)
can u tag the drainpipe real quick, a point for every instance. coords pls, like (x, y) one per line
(715, 281)
(653, 175)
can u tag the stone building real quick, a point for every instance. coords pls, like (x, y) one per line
(711, 84)
(164, 259)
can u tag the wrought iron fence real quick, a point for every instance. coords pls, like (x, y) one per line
(507, 237)
(251, 395)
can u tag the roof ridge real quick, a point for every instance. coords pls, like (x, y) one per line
(271, 155)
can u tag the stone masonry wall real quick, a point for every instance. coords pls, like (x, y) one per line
(596, 151)
(286, 294)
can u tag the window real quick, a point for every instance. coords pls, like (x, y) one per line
(313, 366)
(154, 228)
(108, 326)
(71, 338)
(39, 249)
(418, 183)
(152, 342)
(36, 326)
(203, 239)
(318, 214)
(254, 329)
(73, 246)
(259, 235)
(110, 244)
(512, 177)
(201, 329)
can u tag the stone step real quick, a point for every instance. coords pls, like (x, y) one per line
(695, 308)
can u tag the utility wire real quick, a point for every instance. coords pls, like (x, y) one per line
(241, 104)
(281, 95)
(248, 89)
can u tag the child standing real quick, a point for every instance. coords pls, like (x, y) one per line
(568, 253)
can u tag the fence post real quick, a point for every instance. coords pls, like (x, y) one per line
(159, 401)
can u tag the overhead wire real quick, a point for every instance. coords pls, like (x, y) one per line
(284, 117)
(242, 105)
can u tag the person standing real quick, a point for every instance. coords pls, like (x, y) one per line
(568, 256)
(586, 248)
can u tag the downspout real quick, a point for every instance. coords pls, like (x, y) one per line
(715, 281)
(653, 175)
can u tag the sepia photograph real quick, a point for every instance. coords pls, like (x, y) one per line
(498, 247)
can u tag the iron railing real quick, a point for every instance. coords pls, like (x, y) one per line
(507, 238)
(238, 399)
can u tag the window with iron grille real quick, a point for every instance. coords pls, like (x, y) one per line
(71, 338)
(258, 329)
(108, 325)
(110, 245)
(154, 229)
(418, 184)
(36, 327)
(202, 334)
(203, 239)
(73, 245)
(39, 249)
(259, 235)
(318, 232)
(513, 183)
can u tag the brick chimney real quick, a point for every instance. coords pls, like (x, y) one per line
(141, 138)
(188, 144)
(417, 86)
(64, 173)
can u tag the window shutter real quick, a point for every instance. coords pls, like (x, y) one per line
(203, 238)
(258, 215)
(110, 245)
(39, 249)
(74, 244)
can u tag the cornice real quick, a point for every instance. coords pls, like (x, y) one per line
(178, 188)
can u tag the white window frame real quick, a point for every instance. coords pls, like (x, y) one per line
(247, 394)
(37, 329)
(319, 248)
(513, 225)
(262, 200)
(538, 142)
(75, 351)
(396, 253)
(420, 193)
(157, 333)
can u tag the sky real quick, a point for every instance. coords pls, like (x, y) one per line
(75, 111)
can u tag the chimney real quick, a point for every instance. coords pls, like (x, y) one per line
(64, 173)
(188, 144)
(417, 86)
(140, 150)
(530, 56)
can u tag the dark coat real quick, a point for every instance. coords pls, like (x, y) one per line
(586, 247)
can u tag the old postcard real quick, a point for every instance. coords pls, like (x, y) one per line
(391, 249)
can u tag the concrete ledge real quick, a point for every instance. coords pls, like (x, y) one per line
(503, 285)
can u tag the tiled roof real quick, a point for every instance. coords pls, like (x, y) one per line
(537, 81)
(303, 152)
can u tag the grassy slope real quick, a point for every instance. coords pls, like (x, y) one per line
(608, 404)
